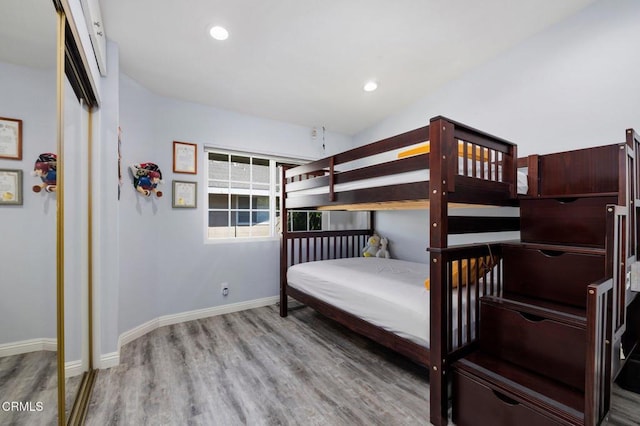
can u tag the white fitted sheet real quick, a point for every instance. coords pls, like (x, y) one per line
(389, 293)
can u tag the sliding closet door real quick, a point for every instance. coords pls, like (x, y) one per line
(76, 97)
(28, 342)
(76, 237)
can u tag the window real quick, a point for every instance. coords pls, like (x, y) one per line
(305, 220)
(243, 195)
(244, 200)
(313, 220)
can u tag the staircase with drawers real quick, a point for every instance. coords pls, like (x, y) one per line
(545, 347)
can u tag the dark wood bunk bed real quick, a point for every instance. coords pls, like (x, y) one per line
(566, 277)
(550, 345)
(486, 175)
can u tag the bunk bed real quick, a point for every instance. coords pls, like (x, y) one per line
(437, 166)
(550, 346)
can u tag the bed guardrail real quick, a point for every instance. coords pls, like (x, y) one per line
(479, 159)
(454, 332)
(300, 247)
(324, 245)
(467, 273)
(483, 156)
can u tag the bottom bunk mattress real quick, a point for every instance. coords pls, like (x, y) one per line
(388, 293)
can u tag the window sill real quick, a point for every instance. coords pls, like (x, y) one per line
(245, 240)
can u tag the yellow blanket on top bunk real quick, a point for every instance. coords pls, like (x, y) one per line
(425, 149)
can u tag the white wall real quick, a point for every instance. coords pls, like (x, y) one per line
(28, 232)
(571, 86)
(574, 85)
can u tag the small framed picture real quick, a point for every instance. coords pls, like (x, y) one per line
(185, 194)
(185, 157)
(10, 138)
(10, 187)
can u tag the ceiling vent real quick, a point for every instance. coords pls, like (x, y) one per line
(95, 26)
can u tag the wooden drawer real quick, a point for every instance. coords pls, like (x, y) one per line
(565, 221)
(477, 404)
(550, 347)
(558, 276)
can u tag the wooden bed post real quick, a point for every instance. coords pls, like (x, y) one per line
(632, 147)
(533, 175)
(441, 142)
(284, 241)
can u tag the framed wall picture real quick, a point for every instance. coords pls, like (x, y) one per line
(10, 138)
(185, 158)
(10, 187)
(185, 194)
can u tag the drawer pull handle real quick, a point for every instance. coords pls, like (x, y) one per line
(566, 200)
(531, 317)
(505, 398)
(551, 253)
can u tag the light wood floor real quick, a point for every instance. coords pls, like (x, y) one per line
(32, 378)
(255, 368)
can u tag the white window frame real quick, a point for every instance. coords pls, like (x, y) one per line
(273, 193)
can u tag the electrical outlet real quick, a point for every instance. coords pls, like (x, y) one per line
(225, 289)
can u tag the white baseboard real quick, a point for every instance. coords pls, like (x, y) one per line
(109, 360)
(113, 359)
(73, 368)
(217, 310)
(26, 346)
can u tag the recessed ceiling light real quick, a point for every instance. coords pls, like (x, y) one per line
(219, 33)
(370, 86)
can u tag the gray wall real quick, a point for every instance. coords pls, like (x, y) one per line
(28, 232)
(165, 265)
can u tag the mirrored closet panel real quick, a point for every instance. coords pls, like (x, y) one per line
(76, 243)
(45, 267)
(28, 338)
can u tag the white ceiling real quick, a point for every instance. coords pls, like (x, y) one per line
(304, 61)
(28, 33)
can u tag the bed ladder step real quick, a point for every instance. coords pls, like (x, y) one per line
(490, 391)
(553, 220)
(555, 273)
(548, 340)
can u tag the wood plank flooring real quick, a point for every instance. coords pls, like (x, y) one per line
(255, 368)
(31, 378)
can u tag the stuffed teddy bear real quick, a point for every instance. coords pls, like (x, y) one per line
(373, 244)
(383, 251)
